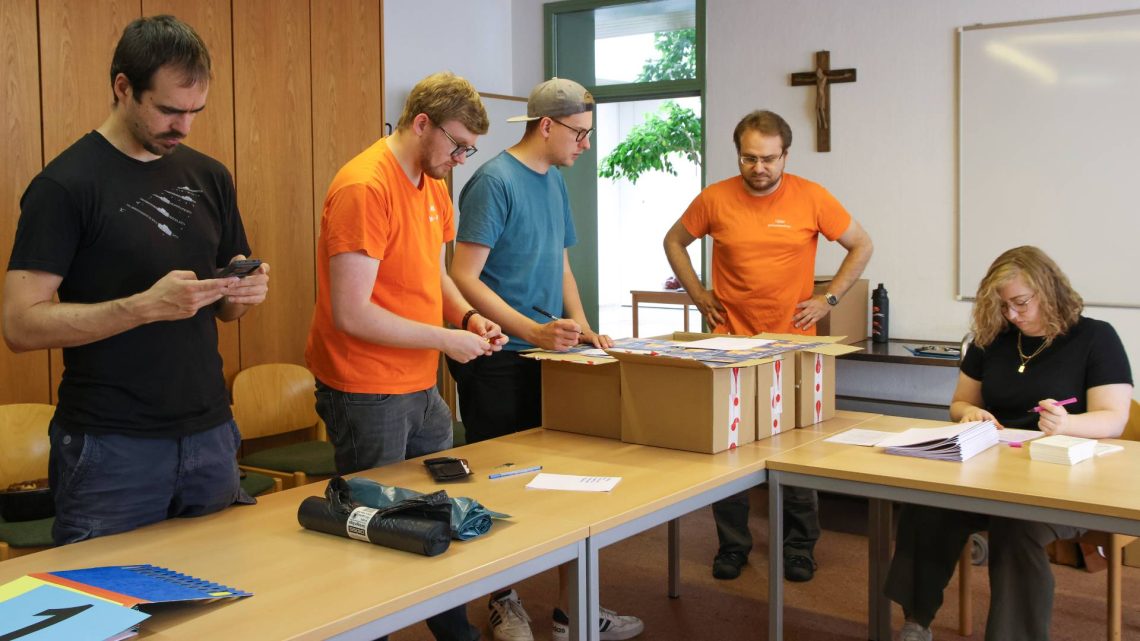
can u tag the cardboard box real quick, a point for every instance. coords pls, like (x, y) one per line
(686, 404)
(848, 319)
(580, 394)
(814, 375)
(1132, 554)
(775, 397)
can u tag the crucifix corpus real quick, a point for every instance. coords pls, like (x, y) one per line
(822, 78)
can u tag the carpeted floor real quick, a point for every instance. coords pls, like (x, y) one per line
(832, 607)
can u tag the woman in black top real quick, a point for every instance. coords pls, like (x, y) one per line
(1031, 348)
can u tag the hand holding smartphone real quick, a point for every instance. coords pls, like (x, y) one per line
(239, 268)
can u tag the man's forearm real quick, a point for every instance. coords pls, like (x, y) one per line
(51, 324)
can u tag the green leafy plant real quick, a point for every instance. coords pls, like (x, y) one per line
(670, 132)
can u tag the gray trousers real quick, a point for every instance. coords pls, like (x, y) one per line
(927, 548)
(801, 522)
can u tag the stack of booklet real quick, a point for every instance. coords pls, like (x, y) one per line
(1059, 448)
(951, 443)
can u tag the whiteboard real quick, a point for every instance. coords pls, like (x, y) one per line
(499, 136)
(1049, 149)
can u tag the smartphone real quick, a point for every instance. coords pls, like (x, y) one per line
(239, 268)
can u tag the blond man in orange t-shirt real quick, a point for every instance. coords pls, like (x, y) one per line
(383, 294)
(765, 227)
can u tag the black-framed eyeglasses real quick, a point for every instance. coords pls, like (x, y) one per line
(752, 161)
(579, 134)
(464, 150)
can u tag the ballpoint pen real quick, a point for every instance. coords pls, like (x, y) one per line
(547, 314)
(521, 470)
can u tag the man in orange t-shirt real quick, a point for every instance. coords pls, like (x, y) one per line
(383, 295)
(765, 226)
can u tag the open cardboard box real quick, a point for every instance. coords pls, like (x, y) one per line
(580, 394)
(849, 318)
(685, 404)
(814, 375)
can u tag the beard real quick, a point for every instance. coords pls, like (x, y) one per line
(764, 182)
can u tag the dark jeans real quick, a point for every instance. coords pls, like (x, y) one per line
(801, 522)
(499, 394)
(110, 483)
(927, 547)
(371, 430)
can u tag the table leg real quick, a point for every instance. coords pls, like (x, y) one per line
(592, 613)
(775, 558)
(579, 580)
(686, 317)
(674, 558)
(878, 559)
(635, 302)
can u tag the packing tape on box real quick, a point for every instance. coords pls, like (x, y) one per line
(734, 409)
(776, 396)
(817, 407)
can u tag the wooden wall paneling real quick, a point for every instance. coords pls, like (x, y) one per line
(348, 92)
(24, 378)
(213, 130)
(77, 39)
(273, 121)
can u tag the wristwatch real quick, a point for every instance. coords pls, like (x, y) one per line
(831, 299)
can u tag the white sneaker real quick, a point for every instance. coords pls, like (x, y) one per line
(509, 621)
(613, 626)
(912, 631)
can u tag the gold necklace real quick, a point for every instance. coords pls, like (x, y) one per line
(1025, 359)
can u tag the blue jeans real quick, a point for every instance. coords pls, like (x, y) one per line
(110, 483)
(371, 430)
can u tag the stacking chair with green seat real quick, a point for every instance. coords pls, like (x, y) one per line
(24, 452)
(281, 433)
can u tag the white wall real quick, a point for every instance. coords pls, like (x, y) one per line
(493, 43)
(893, 132)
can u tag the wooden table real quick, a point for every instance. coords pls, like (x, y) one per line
(661, 296)
(1000, 481)
(310, 585)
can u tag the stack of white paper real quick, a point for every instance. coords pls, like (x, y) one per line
(1062, 449)
(959, 442)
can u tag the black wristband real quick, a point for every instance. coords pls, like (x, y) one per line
(467, 317)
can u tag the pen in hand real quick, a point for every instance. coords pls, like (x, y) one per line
(547, 314)
(1067, 401)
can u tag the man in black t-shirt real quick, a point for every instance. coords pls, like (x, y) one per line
(128, 228)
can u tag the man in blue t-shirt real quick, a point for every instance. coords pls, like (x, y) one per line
(511, 263)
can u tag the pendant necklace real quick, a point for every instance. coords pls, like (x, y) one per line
(1025, 359)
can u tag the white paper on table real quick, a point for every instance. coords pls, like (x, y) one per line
(573, 482)
(594, 352)
(726, 343)
(1107, 448)
(916, 435)
(866, 438)
(1014, 435)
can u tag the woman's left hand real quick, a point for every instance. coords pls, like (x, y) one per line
(1053, 417)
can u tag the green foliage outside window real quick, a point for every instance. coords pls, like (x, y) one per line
(670, 132)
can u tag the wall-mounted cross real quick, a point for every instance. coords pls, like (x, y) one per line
(822, 78)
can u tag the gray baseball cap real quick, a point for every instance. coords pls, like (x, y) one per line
(556, 97)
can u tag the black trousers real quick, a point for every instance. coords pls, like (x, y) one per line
(801, 522)
(499, 394)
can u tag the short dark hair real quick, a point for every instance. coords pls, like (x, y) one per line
(768, 123)
(147, 44)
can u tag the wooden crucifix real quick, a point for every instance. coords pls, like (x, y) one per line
(822, 78)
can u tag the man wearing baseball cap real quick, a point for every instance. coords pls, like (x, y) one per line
(510, 262)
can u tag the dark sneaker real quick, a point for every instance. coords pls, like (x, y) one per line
(726, 565)
(798, 567)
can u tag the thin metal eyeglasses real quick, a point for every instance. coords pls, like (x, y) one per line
(464, 150)
(752, 161)
(1018, 306)
(578, 133)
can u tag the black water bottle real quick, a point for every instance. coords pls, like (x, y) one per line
(880, 318)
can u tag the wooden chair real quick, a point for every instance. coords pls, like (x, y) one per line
(282, 436)
(24, 451)
(1112, 544)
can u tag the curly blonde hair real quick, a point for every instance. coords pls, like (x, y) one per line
(444, 96)
(1059, 305)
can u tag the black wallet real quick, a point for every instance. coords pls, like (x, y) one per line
(447, 468)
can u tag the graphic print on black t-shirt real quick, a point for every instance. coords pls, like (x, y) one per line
(169, 205)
